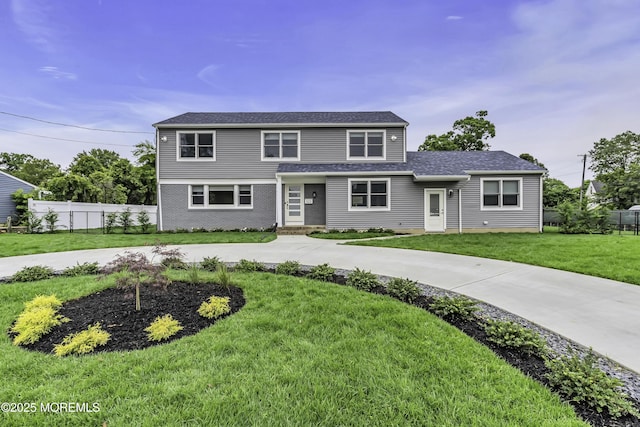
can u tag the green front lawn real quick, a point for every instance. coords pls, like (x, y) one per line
(299, 353)
(611, 256)
(25, 244)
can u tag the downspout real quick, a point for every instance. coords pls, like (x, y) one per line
(158, 197)
(459, 210)
(279, 201)
(541, 225)
(404, 143)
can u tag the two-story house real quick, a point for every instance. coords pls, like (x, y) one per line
(339, 170)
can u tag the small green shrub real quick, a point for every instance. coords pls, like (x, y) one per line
(82, 342)
(458, 307)
(83, 269)
(51, 218)
(143, 221)
(125, 220)
(214, 307)
(514, 335)
(31, 274)
(580, 380)
(363, 280)
(223, 277)
(210, 263)
(174, 263)
(406, 290)
(246, 266)
(193, 273)
(162, 328)
(322, 272)
(290, 268)
(39, 317)
(110, 222)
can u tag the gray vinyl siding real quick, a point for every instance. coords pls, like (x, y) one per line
(238, 152)
(8, 186)
(175, 212)
(474, 217)
(407, 205)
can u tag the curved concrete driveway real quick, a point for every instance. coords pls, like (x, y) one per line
(597, 313)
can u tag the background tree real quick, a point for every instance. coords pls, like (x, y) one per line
(468, 134)
(29, 168)
(74, 187)
(145, 153)
(556, 192)
(616, 163)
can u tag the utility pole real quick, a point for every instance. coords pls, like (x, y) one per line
(584, 167)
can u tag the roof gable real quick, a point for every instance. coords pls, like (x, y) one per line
(285, 118)
(11, 177)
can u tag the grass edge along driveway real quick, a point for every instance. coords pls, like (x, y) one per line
(612, 256)
(28, 244)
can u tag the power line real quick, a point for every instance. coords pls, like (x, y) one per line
(74, 126)
(65, 139)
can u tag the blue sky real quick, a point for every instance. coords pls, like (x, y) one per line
(555, 75)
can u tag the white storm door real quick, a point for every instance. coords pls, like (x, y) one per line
(294, 204)
(434, 214)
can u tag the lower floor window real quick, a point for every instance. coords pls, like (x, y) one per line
(221, 196)
(501, 193)
(369, 194)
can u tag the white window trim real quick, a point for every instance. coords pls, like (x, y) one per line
(196, 159)
(500, 207)
(280, 158)
(236, 198)
(365, 157)
(369, 208)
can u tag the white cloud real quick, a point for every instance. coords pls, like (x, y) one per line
(454, 18)
(57, 74)
(208, 74)
(32, 18)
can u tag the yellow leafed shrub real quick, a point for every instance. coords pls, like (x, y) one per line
(82, 342)
(214, 307)
(39, 317)
(163, 328)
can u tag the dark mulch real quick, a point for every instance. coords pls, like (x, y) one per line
(115, 310)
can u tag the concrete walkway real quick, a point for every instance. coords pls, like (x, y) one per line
(598, 313)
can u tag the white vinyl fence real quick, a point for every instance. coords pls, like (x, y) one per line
(75, 216)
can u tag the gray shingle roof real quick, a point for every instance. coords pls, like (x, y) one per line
(462, 162)
(426, 163)
(335, 117)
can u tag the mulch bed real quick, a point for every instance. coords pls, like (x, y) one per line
(115, 310)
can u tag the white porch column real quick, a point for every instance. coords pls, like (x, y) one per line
(279, 200)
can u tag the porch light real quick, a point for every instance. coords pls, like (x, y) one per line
(394, 138)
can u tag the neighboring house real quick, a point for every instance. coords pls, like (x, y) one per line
(9, 184)
(338, 170)
(594, 190)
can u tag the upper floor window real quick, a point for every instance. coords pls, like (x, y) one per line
(369, 194)
(366, 144)
(196, 145)
(278, 145)
(502, 193)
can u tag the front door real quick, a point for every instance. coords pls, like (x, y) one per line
(434, 214)
(293, 204)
